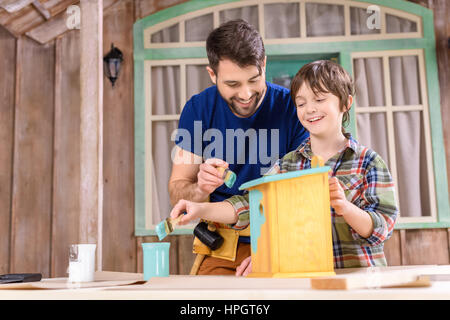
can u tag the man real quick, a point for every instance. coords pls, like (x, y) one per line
(235, 124)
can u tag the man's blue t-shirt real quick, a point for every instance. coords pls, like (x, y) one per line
(208, 128)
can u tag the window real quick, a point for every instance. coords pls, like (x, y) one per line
(396, 110)
(392, 117)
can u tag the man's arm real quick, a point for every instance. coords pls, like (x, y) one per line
(191, 179)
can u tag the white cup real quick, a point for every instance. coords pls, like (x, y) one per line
(81, 262)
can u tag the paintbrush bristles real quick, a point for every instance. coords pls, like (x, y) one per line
(166, 227)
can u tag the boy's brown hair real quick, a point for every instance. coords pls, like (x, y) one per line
(325, 76)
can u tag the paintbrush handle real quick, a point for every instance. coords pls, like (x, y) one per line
(175, 221)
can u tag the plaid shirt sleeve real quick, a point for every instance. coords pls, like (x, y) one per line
(241, 203)
(242, 209)
(378, 200)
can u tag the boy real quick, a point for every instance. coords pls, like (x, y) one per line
(362, 196)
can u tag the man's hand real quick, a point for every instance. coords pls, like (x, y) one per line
(337, 197)
(208, 177)
(245, 267)
(191, 179)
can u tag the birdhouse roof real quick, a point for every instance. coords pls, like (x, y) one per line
(283, 176)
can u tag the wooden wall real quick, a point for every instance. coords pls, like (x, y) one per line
(39, 154)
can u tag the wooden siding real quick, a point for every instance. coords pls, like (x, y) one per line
(66, 157)
(119, 243)
(7, 102)
(33, 157)
(39, 154)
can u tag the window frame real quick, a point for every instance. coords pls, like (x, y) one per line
(345, 47)
(389, 109)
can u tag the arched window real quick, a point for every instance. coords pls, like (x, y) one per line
(387, 46)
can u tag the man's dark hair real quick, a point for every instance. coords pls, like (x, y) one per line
(238, 41)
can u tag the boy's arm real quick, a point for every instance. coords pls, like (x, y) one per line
(242, 210)
(377, 204)
(357, 218)
(221, 212)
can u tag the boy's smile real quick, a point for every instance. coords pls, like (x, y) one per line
(318, 113)
(315, 119)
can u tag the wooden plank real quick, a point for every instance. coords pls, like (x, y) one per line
(33, 157)
(403, 246)
(28, 18)
(173, 254)
(7, 85)
(185, 255)
(118, 146)
(91, 126)
(428, 246)
(372, 278)
(448, 239)
(40, 8)
(14, 5)
(21, 21)
(392, 250)
(138, 254)
(49, 30)
(66, 152)
(57, 25)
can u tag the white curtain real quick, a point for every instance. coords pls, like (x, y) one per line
(198, 28)
(410, 147)
(282, 21)
(372, 127)
(324, 20)
(165, 100)
(250, 14)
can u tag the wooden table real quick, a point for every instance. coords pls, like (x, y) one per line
(182, 287)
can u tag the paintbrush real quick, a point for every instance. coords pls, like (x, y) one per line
(166, 226)
(228, 176)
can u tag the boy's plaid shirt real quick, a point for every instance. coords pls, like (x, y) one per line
(367, 183)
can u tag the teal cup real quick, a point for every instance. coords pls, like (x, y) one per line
(156, 259)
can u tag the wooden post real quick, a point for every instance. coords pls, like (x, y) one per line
(91, 127)
(403, 245)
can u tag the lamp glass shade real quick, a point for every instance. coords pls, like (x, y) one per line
(112, 62)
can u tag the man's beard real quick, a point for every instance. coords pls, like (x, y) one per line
(245, 112)
(241, 112)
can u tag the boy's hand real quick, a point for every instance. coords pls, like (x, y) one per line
(245, 267)
(208, 177)
(193, 211)
(337, 197)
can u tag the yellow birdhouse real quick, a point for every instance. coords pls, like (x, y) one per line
(290, 224)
